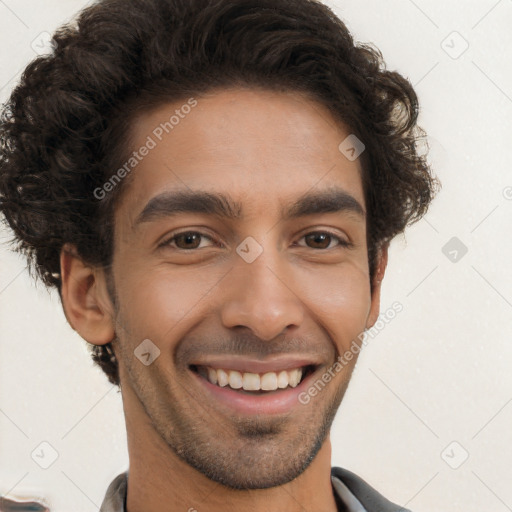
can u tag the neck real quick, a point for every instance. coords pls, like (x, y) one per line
(160, 480)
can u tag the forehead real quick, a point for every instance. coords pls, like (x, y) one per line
(264, 148)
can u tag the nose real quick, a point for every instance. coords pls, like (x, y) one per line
(262, 297)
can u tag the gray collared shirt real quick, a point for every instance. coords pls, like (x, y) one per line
(115, 500)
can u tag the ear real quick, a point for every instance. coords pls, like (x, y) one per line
(85, 298)
(382, 261)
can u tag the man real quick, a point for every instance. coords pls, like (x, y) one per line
(212, 187)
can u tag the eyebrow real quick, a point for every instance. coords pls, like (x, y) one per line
(334, 200)
(167, 204)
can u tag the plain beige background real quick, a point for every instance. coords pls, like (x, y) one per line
(427, 419)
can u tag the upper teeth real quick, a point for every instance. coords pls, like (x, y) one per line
(252, 381)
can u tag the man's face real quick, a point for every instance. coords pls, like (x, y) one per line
(269, 283)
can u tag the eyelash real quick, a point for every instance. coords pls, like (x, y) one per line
(341, 242)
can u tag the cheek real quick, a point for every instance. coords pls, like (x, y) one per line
(339, 300)
(161, 304)
(164, 303)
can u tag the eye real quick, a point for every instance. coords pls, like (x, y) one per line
(186, 240)
(190, 240)
(324, 239)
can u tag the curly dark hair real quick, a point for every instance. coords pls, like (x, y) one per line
(64, 127)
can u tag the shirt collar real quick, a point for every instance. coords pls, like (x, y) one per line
(115, 499)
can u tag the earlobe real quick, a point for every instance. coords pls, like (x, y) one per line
(85, 299)
(380, 270)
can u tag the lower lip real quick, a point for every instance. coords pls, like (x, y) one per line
(270, 403)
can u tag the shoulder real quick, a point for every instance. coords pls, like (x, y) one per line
(367, 495)
(115, 499)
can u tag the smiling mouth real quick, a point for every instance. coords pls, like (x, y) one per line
(254, 383)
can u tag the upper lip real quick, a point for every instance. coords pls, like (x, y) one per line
(243, 364)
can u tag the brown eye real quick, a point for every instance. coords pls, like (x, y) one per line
(186, 240)
(323, 240)
(319, 240)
